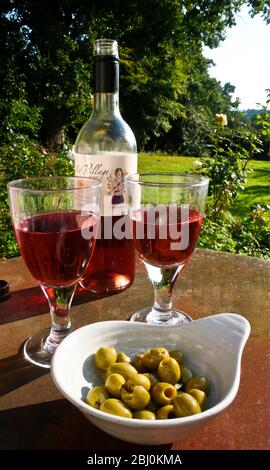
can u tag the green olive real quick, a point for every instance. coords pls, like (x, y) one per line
(163, 393)
(199, 395)
(139, 379)
(114, 384)
(156, 384)
(153, 379)
(105, 357)
(178, 356)
(186, 374)
(138, 363)
(144, 414)
(185, 405)
(169, 370)
(122, 357)
(153, 357)
(116, 407)
(165, 412)
(138, 399)
(122, 368)
(199, 382)
(96, 396)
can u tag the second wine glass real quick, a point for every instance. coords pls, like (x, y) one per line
(167, 213)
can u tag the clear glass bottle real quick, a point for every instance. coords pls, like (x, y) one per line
(106, 149)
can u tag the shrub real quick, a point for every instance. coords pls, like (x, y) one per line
(22, 157)
(261, 124)
(227, 233)
(226, 164)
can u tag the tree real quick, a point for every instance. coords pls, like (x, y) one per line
(46, 55)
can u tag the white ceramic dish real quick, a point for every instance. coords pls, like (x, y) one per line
(212, 346)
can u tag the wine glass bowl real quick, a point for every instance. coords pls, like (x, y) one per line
(55, 222)
(167, 213)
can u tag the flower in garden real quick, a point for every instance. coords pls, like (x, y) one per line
(222, 119)
(91, 99)
(197, 164)
(70, 153)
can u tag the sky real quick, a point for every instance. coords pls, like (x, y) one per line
(243, 59)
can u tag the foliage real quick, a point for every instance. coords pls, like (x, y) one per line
(29, 160)
(256, 189)
(191, 132)
(261, 124)
(251, 236)
(162, 84)
(205, 97)
(248, 235)
(229, 152)
(216, 235)
(8, 245)
(189, 126)
(260, 6)
(21, 157)
(45, 50)
(167, 95)
(19, 118)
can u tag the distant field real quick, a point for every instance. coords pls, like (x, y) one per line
(257, 189)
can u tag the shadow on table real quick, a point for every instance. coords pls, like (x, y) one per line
(27, 303)
(15, 372)
(57, 425)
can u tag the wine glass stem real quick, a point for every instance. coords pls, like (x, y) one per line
(163, 280)
(59, 299)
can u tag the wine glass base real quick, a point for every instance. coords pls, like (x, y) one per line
(147, 315)
(35, 349)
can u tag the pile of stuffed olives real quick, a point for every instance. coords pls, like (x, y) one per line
(155, 384)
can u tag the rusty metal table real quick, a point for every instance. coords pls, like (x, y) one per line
(33, 415)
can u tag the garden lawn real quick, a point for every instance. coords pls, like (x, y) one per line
(257, 190)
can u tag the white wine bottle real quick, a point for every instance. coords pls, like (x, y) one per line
(106, 150)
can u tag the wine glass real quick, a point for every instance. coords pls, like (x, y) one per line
(167, 213)
(55, 221)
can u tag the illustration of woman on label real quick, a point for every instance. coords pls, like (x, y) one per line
(116, 186)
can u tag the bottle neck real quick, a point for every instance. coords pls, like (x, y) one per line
(106, 103)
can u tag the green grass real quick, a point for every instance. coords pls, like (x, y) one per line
(257, 190)
(157, 162)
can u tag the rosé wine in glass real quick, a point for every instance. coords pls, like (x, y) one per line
(167, 212)
(55, 221)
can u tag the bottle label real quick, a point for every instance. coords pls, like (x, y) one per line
(110, 168)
